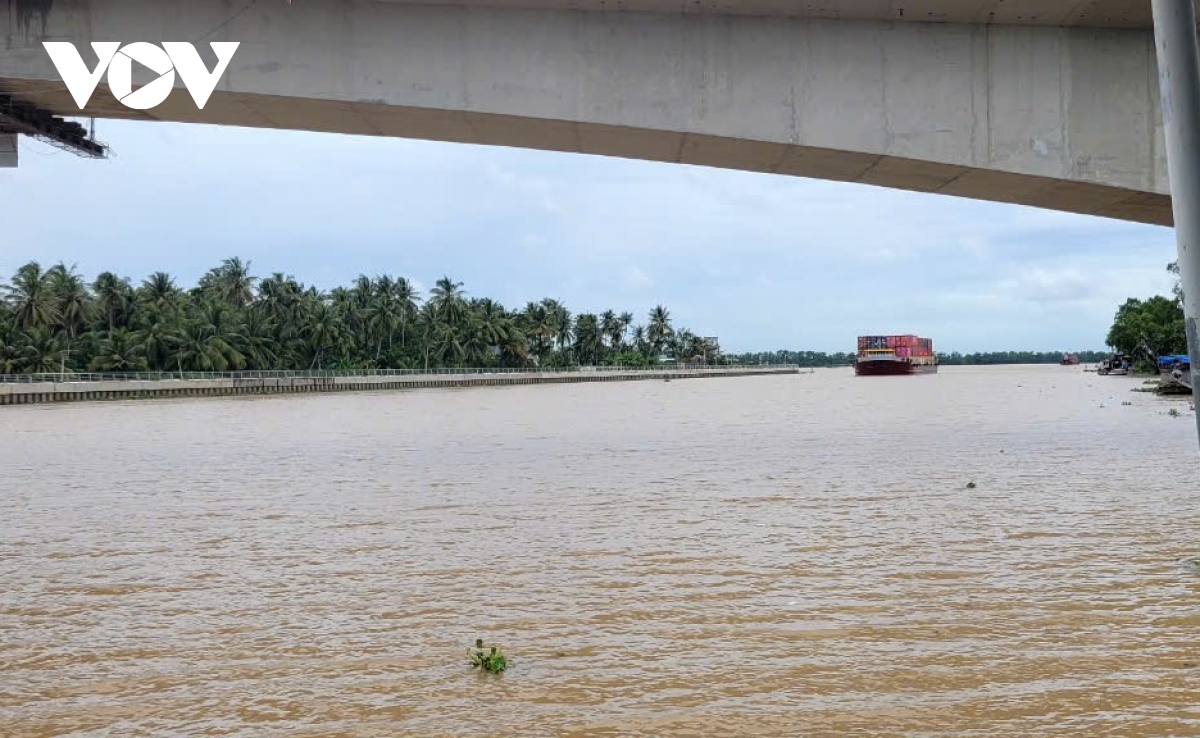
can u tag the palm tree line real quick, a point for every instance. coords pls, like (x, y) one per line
(53, 320)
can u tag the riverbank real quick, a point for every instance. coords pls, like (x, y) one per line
(38, 389)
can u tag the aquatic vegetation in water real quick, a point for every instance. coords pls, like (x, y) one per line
(492, 662)
(970, 485)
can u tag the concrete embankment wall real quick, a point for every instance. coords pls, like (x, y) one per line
(25, 393)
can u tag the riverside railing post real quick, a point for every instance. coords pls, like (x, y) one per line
(1178, 52)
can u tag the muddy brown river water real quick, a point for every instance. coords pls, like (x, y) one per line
(767, 556)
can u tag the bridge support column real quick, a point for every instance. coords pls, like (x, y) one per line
(1179, 81)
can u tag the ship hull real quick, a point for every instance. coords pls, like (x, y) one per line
(886, 368)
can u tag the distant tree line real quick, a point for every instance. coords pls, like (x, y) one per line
(52, 320)
(1017, 357)
(800, 358)
(816, 359)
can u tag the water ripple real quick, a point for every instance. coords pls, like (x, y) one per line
(763, 556)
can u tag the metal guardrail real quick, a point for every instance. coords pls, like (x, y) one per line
(62, 377)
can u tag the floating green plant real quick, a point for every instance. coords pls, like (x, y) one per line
(492, 661)
(970, 485)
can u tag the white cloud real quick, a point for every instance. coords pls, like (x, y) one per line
(1052, 285)
(635, 278)
(975, 246)
(522, 225)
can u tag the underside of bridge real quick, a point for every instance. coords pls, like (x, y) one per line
(1049, 103)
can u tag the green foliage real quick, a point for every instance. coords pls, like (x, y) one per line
(996, 358)
(493, 661)
(51, 320)
(631, 359)
(1149, 329)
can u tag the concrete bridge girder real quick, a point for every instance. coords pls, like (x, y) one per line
(1061, 118)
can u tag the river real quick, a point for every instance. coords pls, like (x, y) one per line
(768, 556)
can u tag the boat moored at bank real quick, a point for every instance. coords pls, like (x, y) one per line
(1175, 375)
(1116, 366)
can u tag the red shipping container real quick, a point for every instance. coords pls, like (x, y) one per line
(904, 351)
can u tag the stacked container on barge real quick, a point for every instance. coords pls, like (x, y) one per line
(893, 355)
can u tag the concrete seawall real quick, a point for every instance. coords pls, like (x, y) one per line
(84, 389)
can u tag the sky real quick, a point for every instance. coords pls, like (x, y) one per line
(763, 262)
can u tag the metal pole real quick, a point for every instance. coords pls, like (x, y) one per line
(1179, 84)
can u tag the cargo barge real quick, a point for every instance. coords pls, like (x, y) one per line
(881, 356)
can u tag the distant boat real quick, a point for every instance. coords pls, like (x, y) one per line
(894, 355)
(1069, 360)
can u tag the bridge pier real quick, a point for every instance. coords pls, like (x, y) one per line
(1178, 51)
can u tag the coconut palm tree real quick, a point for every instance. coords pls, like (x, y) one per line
(114, 297)
(119, 351)
(52, 320)
(589, 340)
(230, 282)
(159, 291)
(41, 351)
(31, 298)
(659, 331)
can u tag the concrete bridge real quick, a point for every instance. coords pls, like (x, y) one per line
(1049, 103)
